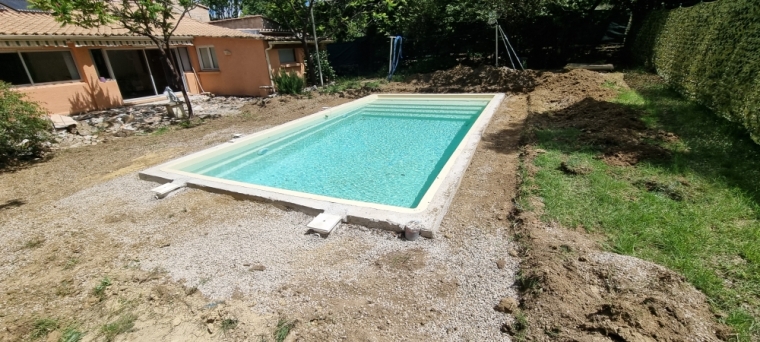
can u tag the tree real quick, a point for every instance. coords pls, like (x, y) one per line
(154, 19)
(224, 9)
(296, 16)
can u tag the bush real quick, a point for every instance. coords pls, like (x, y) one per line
(23, 126)
(709, 53)
(328, 73)
(289, 83)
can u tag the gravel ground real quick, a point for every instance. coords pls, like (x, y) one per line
(219, 260)
(219, 241)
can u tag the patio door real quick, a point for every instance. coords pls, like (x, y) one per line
(162, 75)
(141, 73)
(131, 71)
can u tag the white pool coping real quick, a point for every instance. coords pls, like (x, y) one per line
(428, 213)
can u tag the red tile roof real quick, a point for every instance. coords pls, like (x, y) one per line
(43, 24)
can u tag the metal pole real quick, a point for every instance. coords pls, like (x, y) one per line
(390, 56)
(496, 27)
(506, 47)
(316, 46)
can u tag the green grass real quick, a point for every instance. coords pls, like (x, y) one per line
(344, 84)
(123, 324)
(698, 212)
(228, 324)
(100, 290)
(161, 131)
(42, 327)
(372, 85)
(341, 85)
(70, 263)
(71, 334)
(283, 329)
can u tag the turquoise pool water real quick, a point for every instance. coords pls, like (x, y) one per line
(388, 151)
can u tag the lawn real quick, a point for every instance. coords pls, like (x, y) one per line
(696, 211)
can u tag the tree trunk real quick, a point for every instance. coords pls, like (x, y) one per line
(306, 57)
(177, 76)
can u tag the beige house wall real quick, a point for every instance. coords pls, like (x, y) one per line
(242, 66)
(87, 93)
(242, 72)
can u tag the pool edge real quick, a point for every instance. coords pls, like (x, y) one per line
(439, 196)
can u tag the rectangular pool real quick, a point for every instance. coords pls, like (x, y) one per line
(386, 152)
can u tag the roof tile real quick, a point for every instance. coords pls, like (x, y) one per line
(31, 23)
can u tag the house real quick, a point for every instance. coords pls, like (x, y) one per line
(69, 69)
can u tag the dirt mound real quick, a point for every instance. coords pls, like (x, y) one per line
(615, 130)
(464, 79)
(548, 90)
(560, 90)
(574, 292)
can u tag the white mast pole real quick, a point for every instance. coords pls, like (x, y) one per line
(316, 45)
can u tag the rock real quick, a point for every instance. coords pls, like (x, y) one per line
(257, 267)
(506, 305)
(501, 264)
(54, 336)
(513, 253)
(84, 129)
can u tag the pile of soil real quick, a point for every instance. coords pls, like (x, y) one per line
(483, 79)
(572, 291)
(559, 90)
(548, 90)
(615, 130)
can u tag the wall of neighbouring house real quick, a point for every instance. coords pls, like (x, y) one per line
(242, 66)
(248, 22)
(75, 96)
(200, 13)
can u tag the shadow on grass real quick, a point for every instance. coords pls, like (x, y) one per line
(665, 180)
(712, 146)
(659, 128)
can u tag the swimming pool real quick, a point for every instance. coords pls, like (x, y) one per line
(383, 152)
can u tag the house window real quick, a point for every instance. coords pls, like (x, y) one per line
(37, 67)
(207, 57)
(287, 56)
(99, 59)
(12, 70)
(52, 66)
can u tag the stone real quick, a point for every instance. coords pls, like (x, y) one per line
(513, 253)
(54, 336)
(257, 267)
(506, 305)
(84, 129)
(501, 264)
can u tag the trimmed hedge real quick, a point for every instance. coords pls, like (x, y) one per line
(710, 53)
